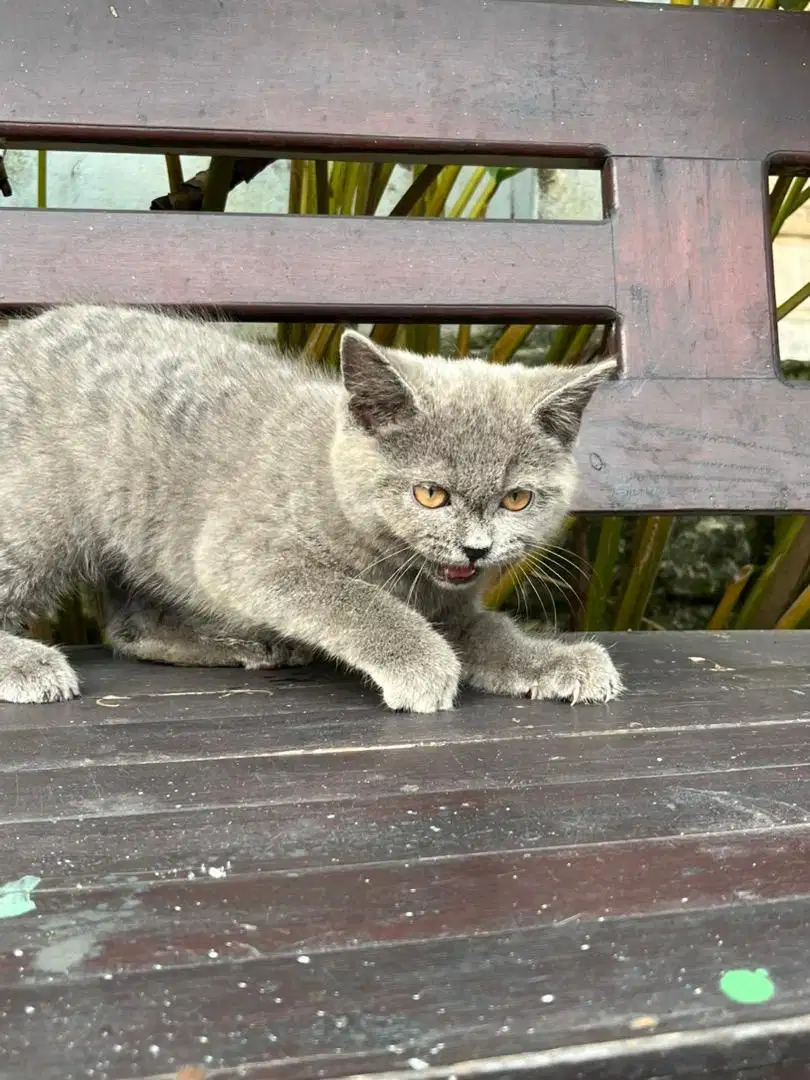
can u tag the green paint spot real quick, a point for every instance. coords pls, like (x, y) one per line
(15, 896)
(747, 987)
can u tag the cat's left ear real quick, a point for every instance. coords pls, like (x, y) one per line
(559, 408)
(379, 396)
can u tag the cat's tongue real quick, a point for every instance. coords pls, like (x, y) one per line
(458, 573)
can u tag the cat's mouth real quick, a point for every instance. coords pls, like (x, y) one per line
(458, 575)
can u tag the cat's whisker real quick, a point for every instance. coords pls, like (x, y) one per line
(390, 582)
(527, 580)
(521, 591)
(540, 573)
(397, 576)
(392, 554)
(586, 566)
(546, 575)
(539, 561)
(415, 582)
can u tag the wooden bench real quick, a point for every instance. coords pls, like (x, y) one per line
(273, 877)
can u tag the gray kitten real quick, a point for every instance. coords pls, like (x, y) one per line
(249, 510)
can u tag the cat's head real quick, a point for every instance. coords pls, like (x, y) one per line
(463, 464)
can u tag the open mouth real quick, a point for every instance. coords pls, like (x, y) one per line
(458, 575)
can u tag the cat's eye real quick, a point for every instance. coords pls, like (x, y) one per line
(431, 496)
(517, 499)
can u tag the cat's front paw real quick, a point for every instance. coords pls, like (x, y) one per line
(583, 672)
(31, 672)
(430, 686)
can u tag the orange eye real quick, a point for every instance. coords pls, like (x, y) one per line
(516, 500)
(430, 496)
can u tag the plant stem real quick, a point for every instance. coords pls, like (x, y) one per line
(652, 540)
(604, 573)
(734, 590)
(793, 302)
(174, 171)
(218, 187)
(509, 342)
(42, 179)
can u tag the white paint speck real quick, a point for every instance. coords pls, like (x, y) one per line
(217, 872)
(154, 1050)
(113, 12)
(698, 659)
(585, 947)
(418, 1063)
(547, 999)
(303, 959)
(29, 1009)
(213, 953)
(18, 952)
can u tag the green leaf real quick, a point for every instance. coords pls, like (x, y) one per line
(501, 173)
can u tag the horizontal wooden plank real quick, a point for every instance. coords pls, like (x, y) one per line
(709, 672)
(238, 917)
(502, 77)
(264, 266)
(287, 731)
(88, 789)
(135, 849)
(701, 445)
(441, 1002)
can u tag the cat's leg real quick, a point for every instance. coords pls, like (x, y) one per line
(500, 658)
(137, 628)
(29, 670)
(354, 622)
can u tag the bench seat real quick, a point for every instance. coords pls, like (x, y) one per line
(269, 875)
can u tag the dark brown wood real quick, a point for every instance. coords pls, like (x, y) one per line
(499, 78)
(704, 310)
(701, 445)
(264, 266)
(517, 888)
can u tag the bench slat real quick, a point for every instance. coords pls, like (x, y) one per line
(321, 268)
(505, 77)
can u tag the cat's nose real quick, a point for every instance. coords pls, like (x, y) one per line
(476, 553)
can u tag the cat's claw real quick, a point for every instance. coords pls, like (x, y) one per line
(581, 673)
(31, 673)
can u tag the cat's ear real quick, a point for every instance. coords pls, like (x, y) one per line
(559, 408)
(378, 395)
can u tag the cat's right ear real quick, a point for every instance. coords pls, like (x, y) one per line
(379, 397)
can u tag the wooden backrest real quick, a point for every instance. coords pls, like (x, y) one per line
(683, 109)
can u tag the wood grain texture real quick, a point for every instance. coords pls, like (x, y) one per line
(265, 266)
(511, 889)
(501, 77)
(700, 445)
(693, 269)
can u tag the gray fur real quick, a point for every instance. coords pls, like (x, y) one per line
(253, 510)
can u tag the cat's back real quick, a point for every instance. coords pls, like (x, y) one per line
(89, 362)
